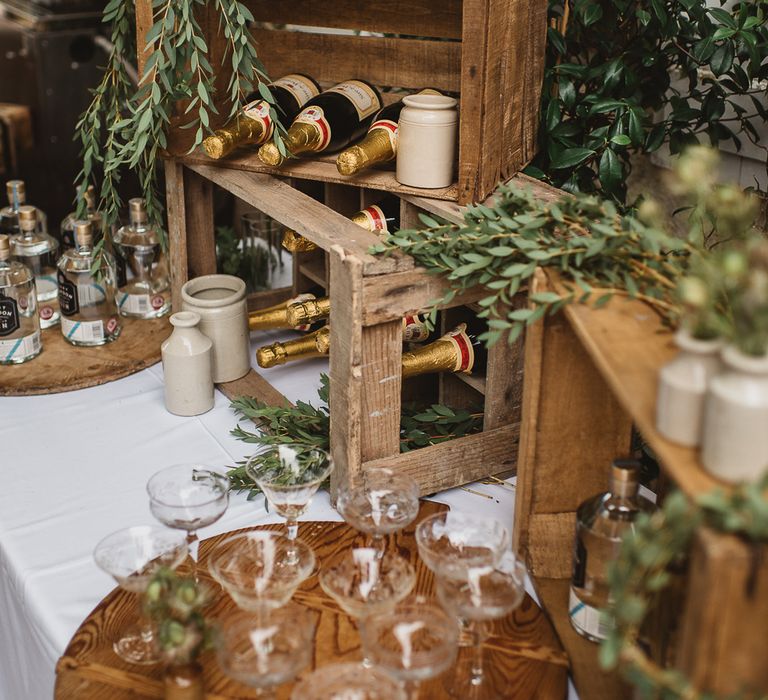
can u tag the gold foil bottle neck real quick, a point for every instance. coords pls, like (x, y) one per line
(27, 218)
(242, 131)
(453, 352)
(299, 349)
(17, 192)
(217, 146)
(274, 317)
(301, 138)
(296, 243)
(376, 147)
(5, 248)
(305, 313)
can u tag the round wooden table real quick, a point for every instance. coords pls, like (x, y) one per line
(524, 658)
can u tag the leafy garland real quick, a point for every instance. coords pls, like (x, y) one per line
(306, 424)
(641, 571)
(125, 126)
(593, 247)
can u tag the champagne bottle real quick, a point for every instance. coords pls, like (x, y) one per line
(453, 352)
(314, 344)
(254, 126)
(380, 144)
(274, 317)
(329, 122)
(384, 216)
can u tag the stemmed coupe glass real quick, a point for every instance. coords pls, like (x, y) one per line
(379, 502)
(289, 477)
(350, 680)
(188, 497)
(132, 556)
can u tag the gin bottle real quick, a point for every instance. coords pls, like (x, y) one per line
(145, 293)
(601, 522)
(94, 216)
(9, 216)
(87, 300)
(37, 250)
(19, 323)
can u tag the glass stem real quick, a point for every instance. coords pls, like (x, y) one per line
(193, 544)
(478, 637)
(293, 528)
(412, 690)
(379, 543)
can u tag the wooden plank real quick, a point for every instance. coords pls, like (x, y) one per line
(412, 17)
(322, 168)
(592, 683)
(345, 370)
(253, 384)
(408, 63)
(198, 207)
(269, 297)
(553, 534)
(143, 25)
(303, 214)
(177, 230)
(722, 634)
(344, 199)
(314, 269)
(532, 70)
(457, 462)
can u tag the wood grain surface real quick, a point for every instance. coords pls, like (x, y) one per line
(524, 657)
(64, 367)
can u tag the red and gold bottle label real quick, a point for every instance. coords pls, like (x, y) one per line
(414, 329)
(389, 128)
(372, 218)
(258, 110)
(316, 117)
(465, 353)
(361, 95)
(301, 87)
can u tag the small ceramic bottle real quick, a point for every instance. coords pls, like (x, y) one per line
(426, 141)
(220, 301)
(735, 435)
(683, 385)
(187, 364)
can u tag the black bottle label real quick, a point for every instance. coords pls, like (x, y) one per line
(579, 563)
(68, 302)
(9, 316)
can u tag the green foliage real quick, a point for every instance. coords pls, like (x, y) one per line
(304, 423)
(250, 263)
(643, 569)
(607, 88)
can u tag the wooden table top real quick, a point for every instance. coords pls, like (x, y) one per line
(524, 658)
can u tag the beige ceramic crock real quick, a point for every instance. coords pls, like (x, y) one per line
(220, 301)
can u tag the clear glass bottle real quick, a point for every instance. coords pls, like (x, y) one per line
(87, 301)
(19, 322)
(67, 228)
(601, 522)
(9, 216)
(145, 293)
(38, 251)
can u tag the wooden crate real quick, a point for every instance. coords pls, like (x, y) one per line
(488, 52)
(589, 374)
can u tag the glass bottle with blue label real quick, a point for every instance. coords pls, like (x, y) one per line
(19, 322)
(146, 290)
(87, 296)
(38, 251)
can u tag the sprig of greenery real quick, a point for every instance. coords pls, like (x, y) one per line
(309, 425)
(642, 571)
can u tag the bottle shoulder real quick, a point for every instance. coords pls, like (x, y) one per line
(607, 507)
(136, 236)
(35, 243)
(14, 273)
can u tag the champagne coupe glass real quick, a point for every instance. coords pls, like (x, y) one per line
(256, 570)
(486, 593)
(132, 556)
(379, 502)
(363, 583)
(414, 642)
(188, 497)
(268, 649)
(348, 681)
(289, 476)
(451, 543)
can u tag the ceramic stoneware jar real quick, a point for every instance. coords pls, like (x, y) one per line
(683, 385)
(426, 141)
(220, 301)
(187, 364)
(735, 437)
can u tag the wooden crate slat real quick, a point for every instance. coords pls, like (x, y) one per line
(177, 229)
(410, 17)
(255, 385)
(201, 240)
(408, 63)
(456, 462)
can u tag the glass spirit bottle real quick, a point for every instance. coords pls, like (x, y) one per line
(94, 216)
(601, 522)
(9, 216)
(19, 322)
(38, 251)
(145, 293)
(87, 300)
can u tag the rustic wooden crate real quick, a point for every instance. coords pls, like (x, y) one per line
(489, 52)
(589, 374)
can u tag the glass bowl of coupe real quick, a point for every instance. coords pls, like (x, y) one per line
(348, 682)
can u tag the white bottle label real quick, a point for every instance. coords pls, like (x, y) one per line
(589, 620)
(316, 116)
(20, 348)
(83, 331)
(139, 303)
(300, 87)
(364, 99)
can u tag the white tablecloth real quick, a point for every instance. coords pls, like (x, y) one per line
(74, 468)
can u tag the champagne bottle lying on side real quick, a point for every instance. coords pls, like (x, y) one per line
(275, 317)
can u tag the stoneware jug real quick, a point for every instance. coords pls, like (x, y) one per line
(735, 437)
(187, 364)
(426, 141)
(683, 385)
(220, 301)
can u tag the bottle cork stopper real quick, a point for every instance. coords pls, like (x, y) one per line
(351, 161)
(214, 146)
(137, 210)
(16, 191)
(83, 231)
(90, 197)
(27, 218)
(5, 247)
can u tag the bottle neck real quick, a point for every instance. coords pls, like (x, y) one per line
(376, 147)
(314, 344)
(243, 130)
(305, 313)
(274, 317)
(296, 243)
(451, 353)
(303, 138)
